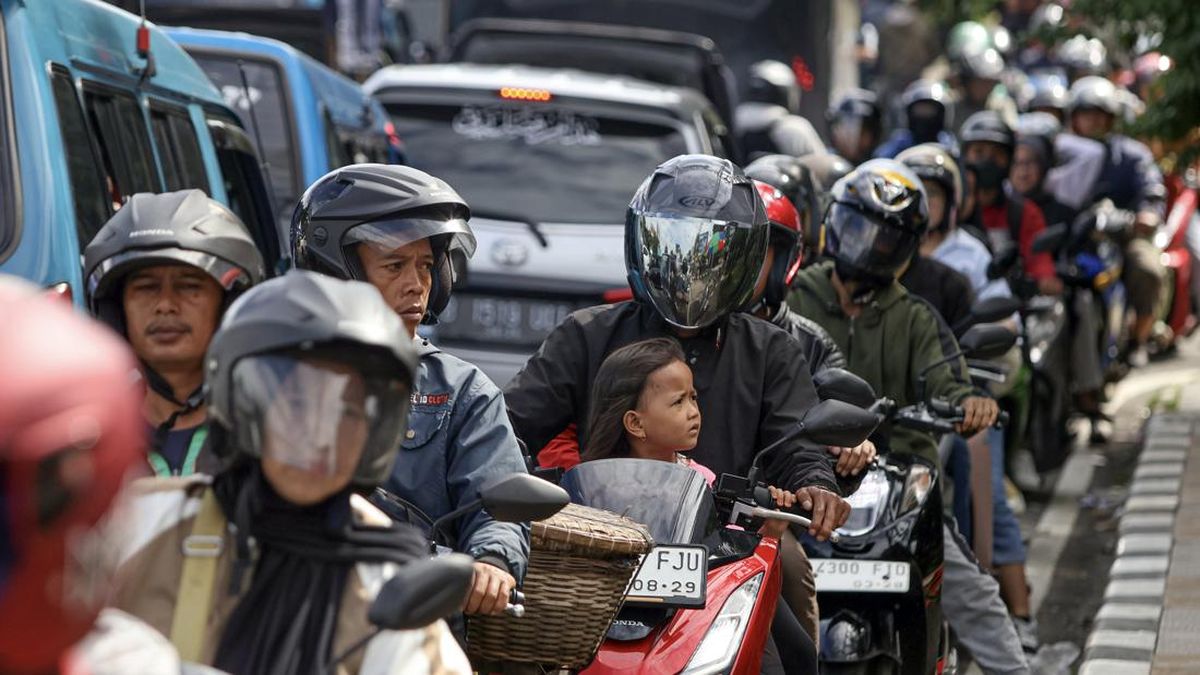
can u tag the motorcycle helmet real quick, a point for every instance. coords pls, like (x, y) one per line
(774, 82)
(792, 177)
(1039, 130)
(787, 236)
(987, 64)
(851, 114)
(967, 37)
(1093, 92)
(695, 240)
(933, 163)
(926, 103)
(1082, 56)
(1049, 94)
(70, 429)
(264, 373)
(184, 227)
(988, 126)
(384, 205)
(875, 222)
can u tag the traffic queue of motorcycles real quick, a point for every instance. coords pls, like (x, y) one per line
(1051, 248)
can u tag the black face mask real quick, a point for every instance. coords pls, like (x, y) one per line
(925, 129)
(988, 174)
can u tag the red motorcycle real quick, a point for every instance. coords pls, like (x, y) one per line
(1178, 312)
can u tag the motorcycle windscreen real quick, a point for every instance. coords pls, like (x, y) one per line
(671, 500)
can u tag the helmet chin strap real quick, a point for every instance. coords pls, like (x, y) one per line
(158, 384)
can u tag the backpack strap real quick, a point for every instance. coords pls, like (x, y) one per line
(193, 602)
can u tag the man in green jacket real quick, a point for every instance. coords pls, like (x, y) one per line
(871, 231)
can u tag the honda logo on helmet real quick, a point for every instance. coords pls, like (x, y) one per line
(697, 202)
(510, 253)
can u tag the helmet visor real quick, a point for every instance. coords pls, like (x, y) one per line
(697, 270)
(866, 243)
(104, 277)
(389, 235)
(320, 416)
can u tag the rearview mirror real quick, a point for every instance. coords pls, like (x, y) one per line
(422, 592)
(839, 424)
(519, 498)
(994, 309)
(987, 341)
(839, 384)
(1050, 239)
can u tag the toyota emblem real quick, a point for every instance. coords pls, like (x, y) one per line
(510, 253)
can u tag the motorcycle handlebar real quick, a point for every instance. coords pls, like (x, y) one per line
(774, 514)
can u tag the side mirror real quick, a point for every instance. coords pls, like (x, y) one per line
(839, 384)
(994, 309)
(1003, 262)
(520, 497)
(1050, 239)
(839, 424)
(987, 342)
(422, 592)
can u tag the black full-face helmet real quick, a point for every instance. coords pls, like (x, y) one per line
(313, 372)
(382, 205)
(875, 222)
(774, 82)
(696, 237)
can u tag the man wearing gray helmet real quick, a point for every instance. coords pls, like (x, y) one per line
(400, 229)
(161, 272)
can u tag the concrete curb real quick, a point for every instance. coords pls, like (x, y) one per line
(1126, 630)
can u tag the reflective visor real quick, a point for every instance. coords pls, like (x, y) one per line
(697, 270)
(104, 276)
(322, 417)
(866, 243)
(389, 235)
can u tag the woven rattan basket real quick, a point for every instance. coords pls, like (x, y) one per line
(580, 563)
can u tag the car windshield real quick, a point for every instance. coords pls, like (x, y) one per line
(264, 86)
(671, 500)
(548, 163)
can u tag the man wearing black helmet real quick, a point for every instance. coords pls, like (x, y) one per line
(161, 272)
(855, 125)
(400, 229)
(768, 120)
(926, 106)
(270, 565)
(871, 230)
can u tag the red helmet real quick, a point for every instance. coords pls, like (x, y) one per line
(786, 238)
(70, 428)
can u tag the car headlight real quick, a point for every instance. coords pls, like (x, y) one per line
(916, 487)
(720, 645)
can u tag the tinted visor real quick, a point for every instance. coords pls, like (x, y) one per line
(104, 276)
(389, 235)
(697, 270)
(867, 243)
(321, 416)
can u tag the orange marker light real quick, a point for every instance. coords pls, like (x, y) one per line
(523, 94)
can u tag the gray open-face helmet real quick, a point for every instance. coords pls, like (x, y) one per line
(307, 369)
(696, 237)
(386, 206)
(185, 227)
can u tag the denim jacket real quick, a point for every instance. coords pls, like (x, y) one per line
(458, 437)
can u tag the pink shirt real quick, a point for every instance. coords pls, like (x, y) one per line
(709, 476)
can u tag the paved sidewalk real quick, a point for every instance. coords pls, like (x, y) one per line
(1151, 614)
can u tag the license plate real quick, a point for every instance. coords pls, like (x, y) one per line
(675, 576)
(867, 576)
(490, 319)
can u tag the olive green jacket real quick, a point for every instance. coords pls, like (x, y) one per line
(896, 336)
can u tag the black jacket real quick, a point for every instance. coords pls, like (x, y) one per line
(819, 348)
(752, 378)
(942, 286)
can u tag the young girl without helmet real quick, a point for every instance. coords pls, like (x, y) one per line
(269, 567)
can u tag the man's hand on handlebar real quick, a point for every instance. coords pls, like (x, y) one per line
(784, 501)
(979, 413)
(490, 590)
(829, 511)
(851, 461)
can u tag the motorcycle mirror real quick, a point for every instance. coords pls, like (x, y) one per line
(1003, 262)
(1050, 239)
(994, 309)
(520, 497)
(422, 592)
(839, 424)
(987, 341)
(839, 384)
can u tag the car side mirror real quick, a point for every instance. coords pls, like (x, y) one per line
(1050, 239)
(520, 497)
(839, 384)
(422, 592)
(987, 341)
(838, 424)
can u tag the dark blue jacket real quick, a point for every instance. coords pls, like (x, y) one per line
(458, 437)
(1130, 178)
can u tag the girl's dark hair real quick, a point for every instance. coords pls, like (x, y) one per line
(616, 390)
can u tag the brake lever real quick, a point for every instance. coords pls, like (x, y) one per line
(742, 509)
(516, 604)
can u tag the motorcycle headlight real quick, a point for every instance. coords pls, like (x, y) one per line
(720, 645)
(916, 487)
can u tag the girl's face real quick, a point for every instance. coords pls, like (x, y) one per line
(667, 418)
